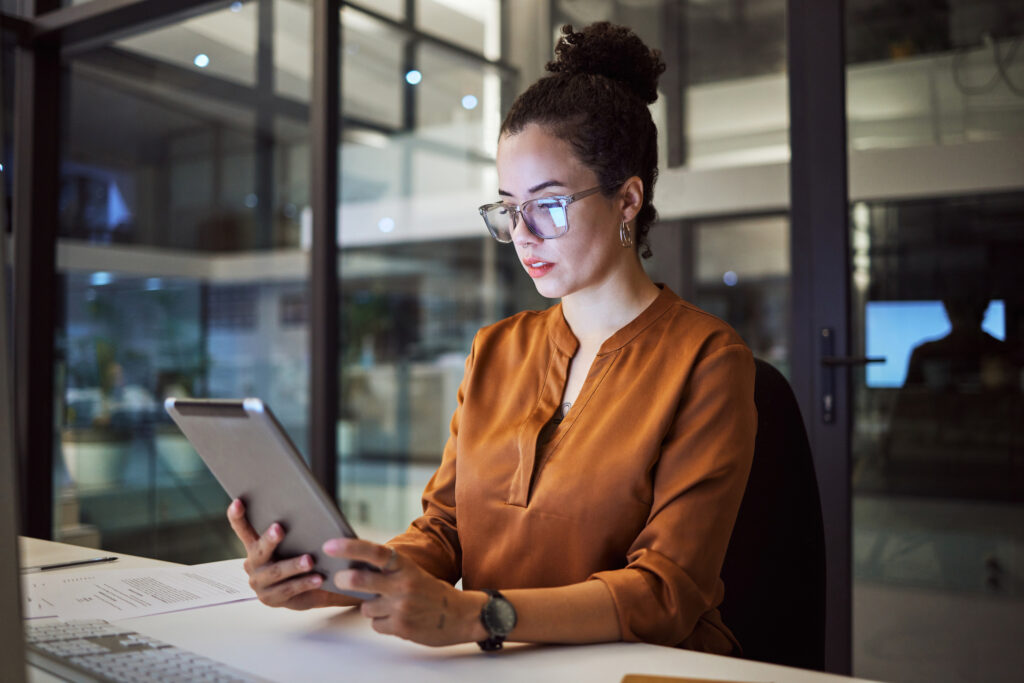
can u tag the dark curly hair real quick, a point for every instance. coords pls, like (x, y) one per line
(596, 97)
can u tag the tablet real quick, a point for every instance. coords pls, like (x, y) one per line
(253, 459)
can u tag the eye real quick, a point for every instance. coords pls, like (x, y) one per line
(554, 210)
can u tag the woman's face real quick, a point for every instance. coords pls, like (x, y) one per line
(533, 163)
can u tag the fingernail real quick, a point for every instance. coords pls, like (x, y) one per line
(275, 531)
(332, 546)
(315, 580)
(306, 562)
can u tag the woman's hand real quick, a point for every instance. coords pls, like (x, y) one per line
(410, 603)
(286, 583)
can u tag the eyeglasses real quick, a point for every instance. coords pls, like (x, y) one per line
(546, 217)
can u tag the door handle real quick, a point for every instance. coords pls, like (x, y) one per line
(834, 361)
(828, 379)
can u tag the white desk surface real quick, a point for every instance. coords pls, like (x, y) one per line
(332, 644)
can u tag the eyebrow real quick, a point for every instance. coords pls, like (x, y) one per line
(536, 188)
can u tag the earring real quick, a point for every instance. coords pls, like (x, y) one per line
(625, 235)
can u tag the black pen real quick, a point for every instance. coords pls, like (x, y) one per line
(64, 565)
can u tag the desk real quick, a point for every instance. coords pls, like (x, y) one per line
(332, 644)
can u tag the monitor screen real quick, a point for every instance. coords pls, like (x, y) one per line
(894, 328)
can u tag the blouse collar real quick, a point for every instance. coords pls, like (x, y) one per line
(562, 337)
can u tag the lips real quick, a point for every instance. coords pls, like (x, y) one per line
(536, 267)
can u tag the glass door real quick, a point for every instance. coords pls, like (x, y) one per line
(937, 308)
(938, 438)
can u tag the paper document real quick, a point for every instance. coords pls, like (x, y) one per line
(125, 593)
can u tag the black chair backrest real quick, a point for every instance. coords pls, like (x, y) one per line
(774, 570)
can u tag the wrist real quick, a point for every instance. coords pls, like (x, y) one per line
(473, 628)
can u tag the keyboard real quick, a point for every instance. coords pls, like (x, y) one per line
(98, 650)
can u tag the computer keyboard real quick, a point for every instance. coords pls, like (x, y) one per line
(98, 650)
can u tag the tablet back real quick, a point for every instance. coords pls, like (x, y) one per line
(253, 459)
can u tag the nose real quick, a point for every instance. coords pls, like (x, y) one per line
(521, 234)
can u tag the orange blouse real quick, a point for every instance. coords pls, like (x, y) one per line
(638, 486)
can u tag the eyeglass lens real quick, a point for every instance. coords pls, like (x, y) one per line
(544, 218)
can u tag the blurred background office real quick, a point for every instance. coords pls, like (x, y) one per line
(185, 220)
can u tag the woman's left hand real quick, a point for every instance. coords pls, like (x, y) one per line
(410, 603)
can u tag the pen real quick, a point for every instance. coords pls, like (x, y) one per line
(64, 565)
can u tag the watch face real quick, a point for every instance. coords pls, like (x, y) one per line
(500, 616)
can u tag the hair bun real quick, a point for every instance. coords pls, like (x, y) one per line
(612, 51)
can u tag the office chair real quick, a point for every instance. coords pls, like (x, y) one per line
(774, 569)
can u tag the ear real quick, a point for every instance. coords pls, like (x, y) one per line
(631, 198)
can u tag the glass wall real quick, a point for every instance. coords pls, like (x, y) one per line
(741, 274)
(937, 471)
(419, 273)
(184, 179)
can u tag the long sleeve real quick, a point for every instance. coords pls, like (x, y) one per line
(672, 576)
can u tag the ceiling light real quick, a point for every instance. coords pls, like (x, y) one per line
(100, 278)
(202, 60)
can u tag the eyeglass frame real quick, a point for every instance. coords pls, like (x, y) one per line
(517, 210)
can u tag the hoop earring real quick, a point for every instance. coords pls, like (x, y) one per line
(625, 235)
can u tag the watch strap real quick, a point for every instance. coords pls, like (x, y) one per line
(494, 641)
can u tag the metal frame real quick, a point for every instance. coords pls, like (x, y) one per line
(36, 132)
(81, 27)
(265, 123)
(324, 329)
(819, 243)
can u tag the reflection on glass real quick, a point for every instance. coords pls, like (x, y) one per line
(896, 329)
(473, 24)
(951, 73)
(742, 276)
(938, 434)
(293, 56)
(942, 305)
(219, 44)
(394, 9)
(457, 104)
(409, 313)
(127, 478)
(373, 68)
(183, 187)
(734, 86)
(128, 343)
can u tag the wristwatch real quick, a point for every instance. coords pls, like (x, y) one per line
(499, 618)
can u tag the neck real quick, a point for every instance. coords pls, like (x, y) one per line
(597, 312)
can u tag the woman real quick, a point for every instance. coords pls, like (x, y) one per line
(601, 447)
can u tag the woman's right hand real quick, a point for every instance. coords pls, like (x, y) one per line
(284, 583)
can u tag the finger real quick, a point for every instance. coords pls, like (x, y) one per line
(376, 608)
(364, 551)
(384, 625)
(275, 572)
(363, 581)
(280, 594)
(240, 524)
(263, 550)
